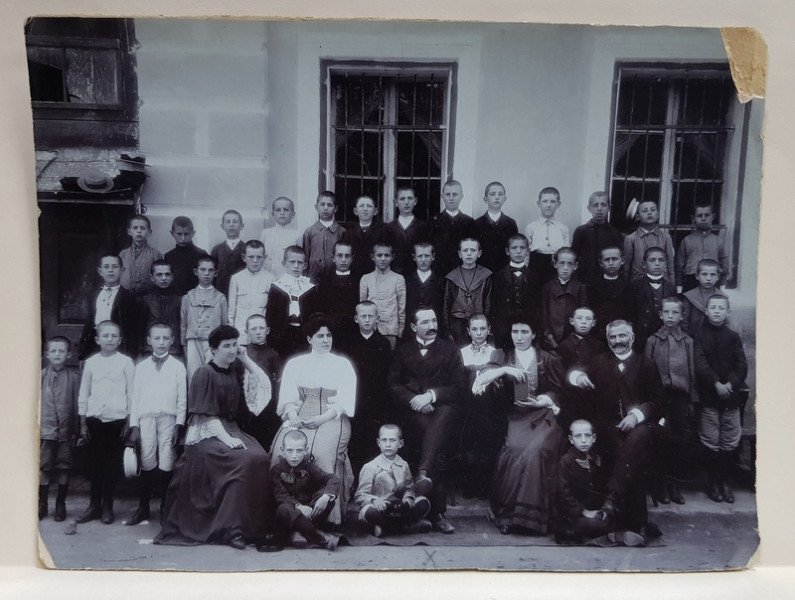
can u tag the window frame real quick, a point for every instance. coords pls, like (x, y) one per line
(387, 68)
(125, 109)
(734, 159)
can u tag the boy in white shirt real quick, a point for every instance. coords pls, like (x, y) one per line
(249, 288)
(157, 417)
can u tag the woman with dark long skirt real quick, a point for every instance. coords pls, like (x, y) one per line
(219, 491)
(523, 489)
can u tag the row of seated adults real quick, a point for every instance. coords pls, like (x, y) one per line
(219, 492)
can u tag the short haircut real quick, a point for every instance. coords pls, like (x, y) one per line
(581, 421)
(588, 308)
(58, 339)
(492, 184)
(206, 258)
(341, 243)
(469, 239)
(517, 237)
(221, 334)
(423, 244)
(254, 245)
(365, 197)
(707, 262)
(404, 188)
(366, 304)
(619, 323)
(647, 252)
(477, 316)
(549, 190)
(601, 252)
(159, 325)
(383, 244)
(160, 262)
(231, 211)
(673, 300)
(703, 204)
(598, 196)
(397, 428)
(315, 323)
(256, 316)
(419, 309)
(647, 201)
(107, 323)
(294, 250)
(143, 218)
(721, 297)
(283, 199)
(109, 255)
(327, 194)
(182, 221)
(452, 182)
(295, 435)
(565, 250)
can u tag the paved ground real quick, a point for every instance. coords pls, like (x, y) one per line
(701, 535)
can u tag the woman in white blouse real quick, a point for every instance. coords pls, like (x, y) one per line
(318, 396)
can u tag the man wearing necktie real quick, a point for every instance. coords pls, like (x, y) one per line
(427, 382)
(622, 394)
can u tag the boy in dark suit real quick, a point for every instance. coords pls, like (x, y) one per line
(648, 292)
(110, 303)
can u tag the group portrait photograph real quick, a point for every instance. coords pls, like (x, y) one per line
(384, 295)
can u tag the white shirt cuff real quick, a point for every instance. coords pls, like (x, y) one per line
(638, 414)
(574, 375)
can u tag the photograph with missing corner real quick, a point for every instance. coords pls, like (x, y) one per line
(222, 132)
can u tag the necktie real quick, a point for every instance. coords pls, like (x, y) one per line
(159, 360)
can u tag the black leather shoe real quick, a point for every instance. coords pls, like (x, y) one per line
(60, 510)
(726, 492)
(676, 494)
(92, 513)
(141, 514)
(237, 542)
(442, 525)
(271, 543)
(662, 493)
(107, 515)
(651, 531)
(713, 492)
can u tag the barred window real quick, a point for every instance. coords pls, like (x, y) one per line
(388, 125)
(672, 126)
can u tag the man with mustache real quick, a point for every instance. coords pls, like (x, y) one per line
(623, 396)
(427, 384)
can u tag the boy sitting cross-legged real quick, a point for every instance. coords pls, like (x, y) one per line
(386, 489)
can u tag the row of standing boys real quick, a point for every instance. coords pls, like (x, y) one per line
(567, 287)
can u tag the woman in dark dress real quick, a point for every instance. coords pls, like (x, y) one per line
(219, 490)
(523, 488)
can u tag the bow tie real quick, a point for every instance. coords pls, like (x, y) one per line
(654, 281)
(422, 346)
(478, 349)
(159, 360)
(517, 270)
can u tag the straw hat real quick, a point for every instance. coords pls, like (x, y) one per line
(132, 467)
(94, 181)
(632, 210)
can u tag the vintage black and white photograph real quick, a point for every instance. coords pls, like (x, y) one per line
(394, 295)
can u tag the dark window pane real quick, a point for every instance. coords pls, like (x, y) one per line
(687, 195)
(420, 103)
(358, 153)
(642, 101)
(638, 155)
(699, 155)
(419, 153)
(705, 101)
(92, 76)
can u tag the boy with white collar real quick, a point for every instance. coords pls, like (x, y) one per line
(319, 239)
(449, 227)
(494, 228)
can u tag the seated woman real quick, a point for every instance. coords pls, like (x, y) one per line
(219, 491)
(523, 489)
(318, 396)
